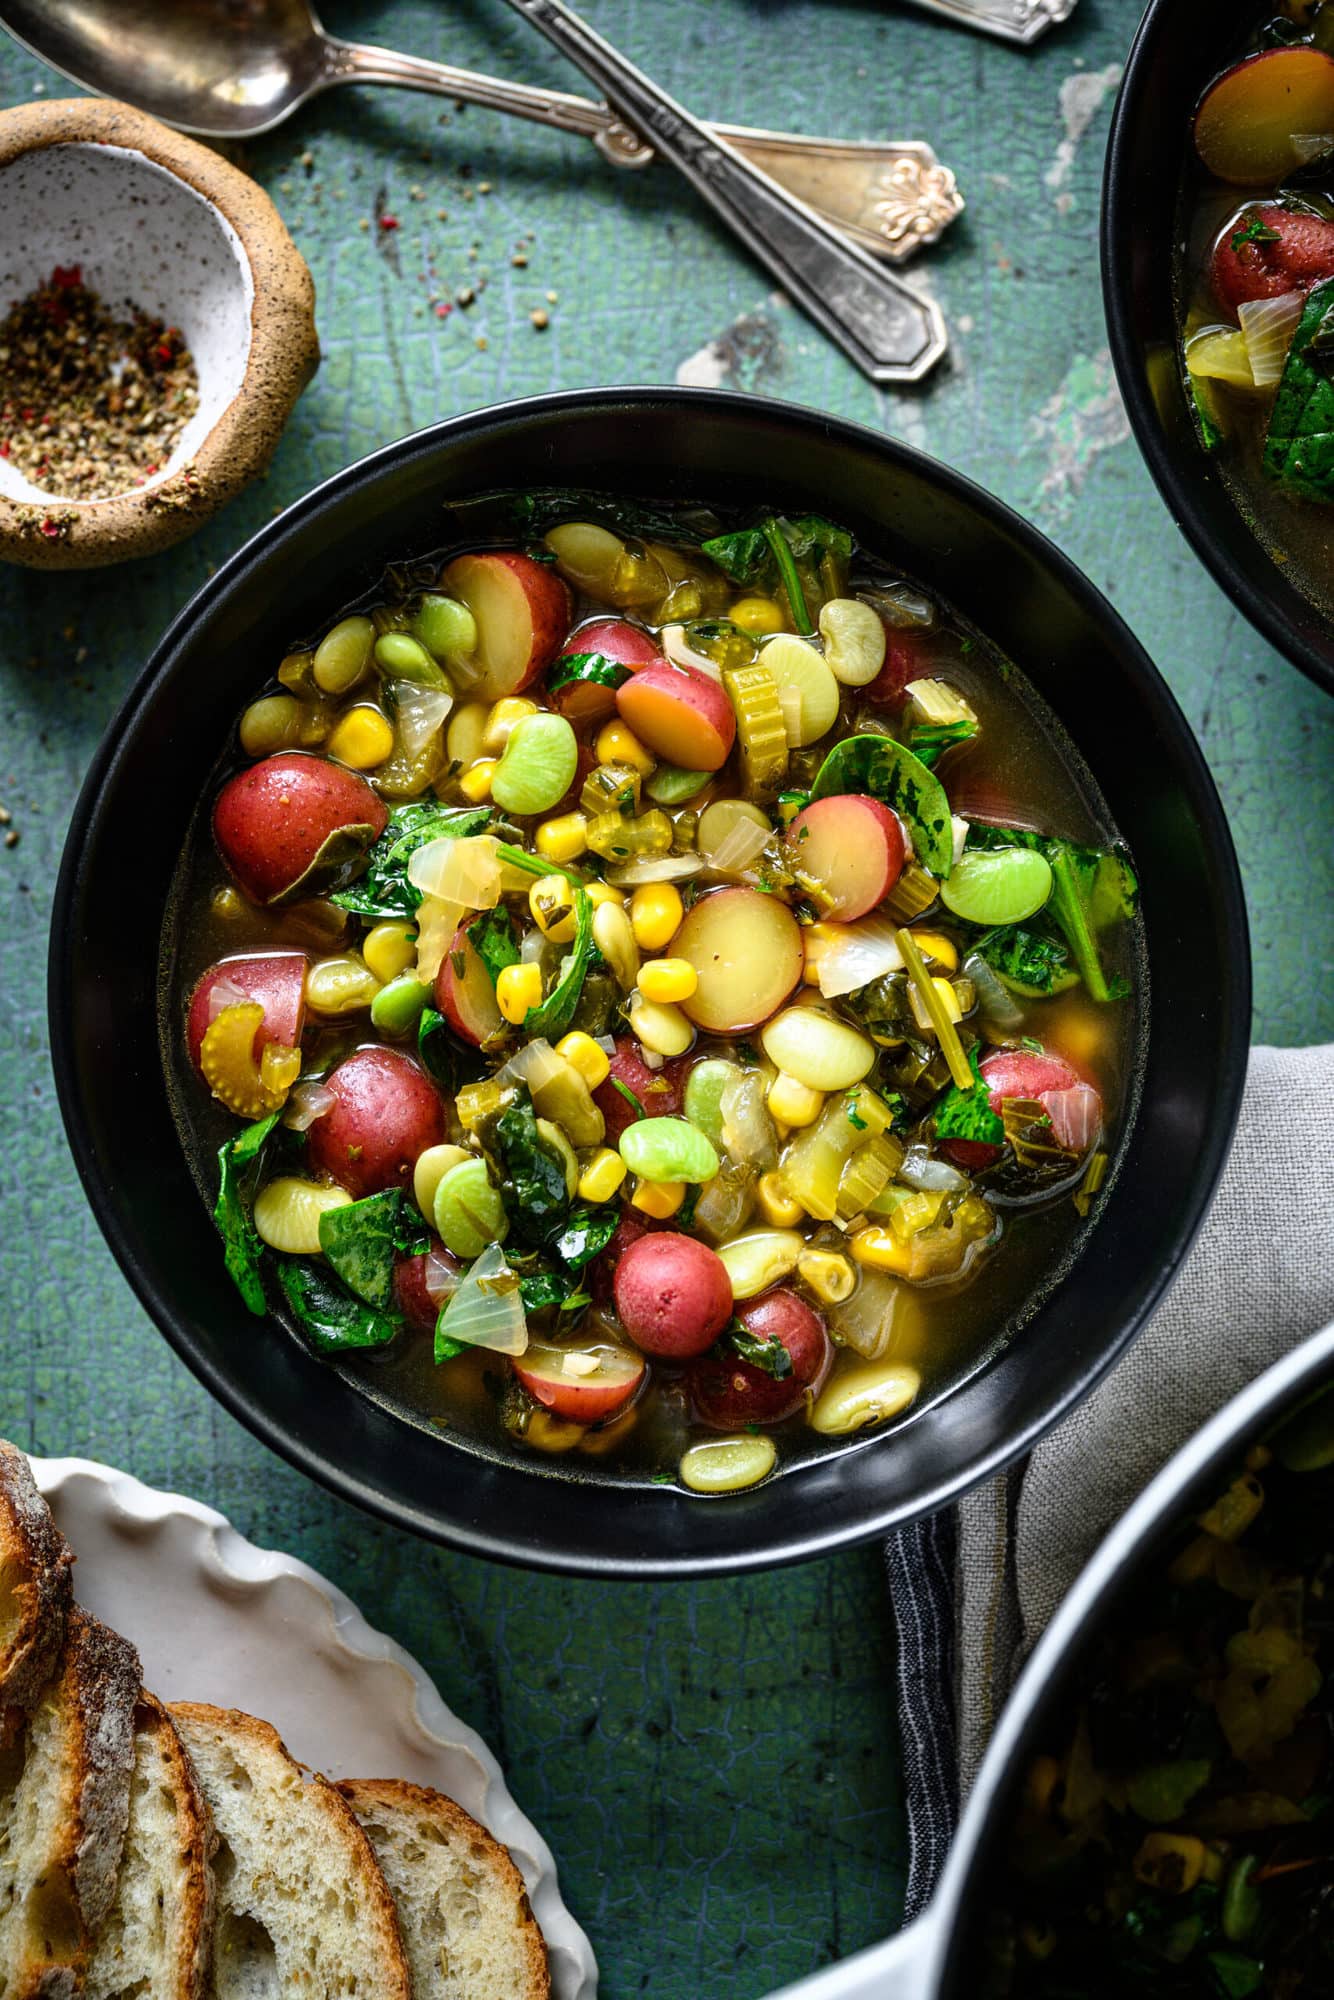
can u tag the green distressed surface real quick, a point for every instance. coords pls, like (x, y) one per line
(714, 1764)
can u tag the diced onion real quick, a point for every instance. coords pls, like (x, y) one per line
(226, 993)
(958, 834)
(650, 1058)
(789, 700)
(743, 842)
(436, 924)
(580, 1364)
(420, 713)
(993, 998)
(860, 953)
(305, 1103)
(441, 1277)
(1268, 326)
(535, 1065)
(458, 871)
(487, 1310)
(655, 868)
(929, 1176)
(1076, 1116)
(607, 1043)
(674, 645)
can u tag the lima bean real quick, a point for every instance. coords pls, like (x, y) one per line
(538, 765)
(343, 655)
(469, 1213)
(667, 1149)
(1000, 887)
(704, 1091)
(445, 627)
(727, 1465)
(397, 1007)
(856, 1397)
(759, 1259)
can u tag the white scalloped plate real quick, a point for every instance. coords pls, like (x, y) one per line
(217, 1619)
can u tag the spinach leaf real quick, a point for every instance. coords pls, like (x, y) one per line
(1092, 888)
(549, 507)
(1028, 961)
(360, 1242)
(536, 1199)
(552, 1288)
(930, 740)
(586, 669)
(330, 1318)
(238, 1170)
(891, 773)
(492, 938)
(806, 558)
(556, 1012)
(967, 1114)
(1237, 1974)
(763, 1351)
(1299, 444)
(586, 1233)
(443, 1056)
(384, 890)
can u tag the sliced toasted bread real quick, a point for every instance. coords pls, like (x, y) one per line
(467, 1927)
(302, 1905)
(35, 1564)
(64, 1801)
(157, 1942)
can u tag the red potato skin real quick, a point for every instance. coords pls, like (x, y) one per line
(673, 1295)
(602, 1270)
(658, 1090)
(469, 1003)
(1008, 1073)
(386, 1111)
(578, 1399)
(857, 822)
(413, 1300)
(616, 639)
(271, 821)
(547, 596)
(275, 979)
(681, 715)
(906, 659)
(727, 1392)
(1302, 256)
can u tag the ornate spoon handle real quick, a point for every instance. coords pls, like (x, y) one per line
(891, 333)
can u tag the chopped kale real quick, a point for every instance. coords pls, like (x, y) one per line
(360, 1242)
(1299, 444)
(1029, 961)
(556, 1012)
(536, 1199)
(967, 1114)
(807, 559)
(1092, 888)
(492, 937)
(585, 1233)
(384, 890)
(1257, 230)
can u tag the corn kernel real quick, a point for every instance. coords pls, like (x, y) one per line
(475, 784)
(792, 1102)
(1169, 1862)
(593, 1063)
(562, 839)
(881, 1250)
(389, 949)
(829, 1275)
(518, 987)
(949, 999)
(666, 979)
(938, 949)
(618, 745)
(361, 738)
(658, 1198)
(757, 615)
(501, 719)
(603, 1175)
(602, 892)
(776, 1204)
(551, 901)
(656, 911)
(660, 1026)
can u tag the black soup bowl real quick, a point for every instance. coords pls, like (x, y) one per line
(1178, 51)
(137, 804)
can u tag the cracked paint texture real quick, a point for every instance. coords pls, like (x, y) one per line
(715, 1765)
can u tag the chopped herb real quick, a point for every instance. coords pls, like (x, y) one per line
(763, 1351)
(628, 1095)
(492, 938)
(852, 1114)
(1257, 230)
(967, 1114)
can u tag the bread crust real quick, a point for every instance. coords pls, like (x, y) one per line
(367, 1796)
(261, 1741)
(35, 1563)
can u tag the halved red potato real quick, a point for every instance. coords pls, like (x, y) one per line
(1294, 252)
(385, 1112)
(464, 993)
(522, 610)
(276, 980)
(746, 951)
(1263, 117)
(683, 716)
(293, 816)
(583, 1398)
(852, 848)
(616, 639)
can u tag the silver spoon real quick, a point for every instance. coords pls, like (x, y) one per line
(231, 71)
(891, 333)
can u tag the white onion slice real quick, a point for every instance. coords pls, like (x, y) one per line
(420, 713)
(535, 1065)
(458, 871)
(436, 924)
(305, 1103)
(655, 868)
(486, 1310)
(993, 996)
(441, 1276)
(860, 953)
(929, 1176)
(1268, 326)
(1076, 1115)
(743, 843)
(681, 654)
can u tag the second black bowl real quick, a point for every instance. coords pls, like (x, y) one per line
(963, 546)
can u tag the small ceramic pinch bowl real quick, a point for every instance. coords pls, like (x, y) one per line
(159, 222)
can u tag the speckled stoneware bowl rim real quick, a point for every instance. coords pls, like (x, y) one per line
(282, 357)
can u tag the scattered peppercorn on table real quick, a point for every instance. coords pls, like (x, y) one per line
(713, 1764)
